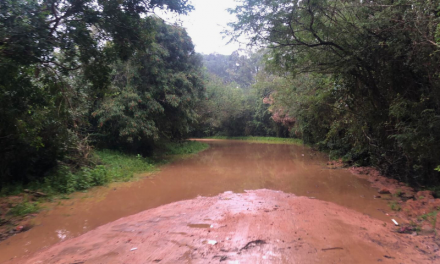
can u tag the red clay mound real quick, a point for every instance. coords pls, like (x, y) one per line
(255, 227)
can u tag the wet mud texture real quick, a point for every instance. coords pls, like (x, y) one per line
(227, 165)
(413, 204)
(259, 226)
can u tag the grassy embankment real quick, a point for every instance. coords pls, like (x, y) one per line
(266, 140)
(111, 166)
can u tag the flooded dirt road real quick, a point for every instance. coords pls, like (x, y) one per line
(261, 227)
(227, 166)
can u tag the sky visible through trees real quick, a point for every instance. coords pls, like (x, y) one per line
(206, 24)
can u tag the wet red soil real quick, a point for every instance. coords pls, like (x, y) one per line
(414, 207)
(259, 226)
(339, 219)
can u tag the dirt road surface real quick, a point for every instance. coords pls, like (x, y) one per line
(259, 226)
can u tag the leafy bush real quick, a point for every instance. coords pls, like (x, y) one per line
(51, 83)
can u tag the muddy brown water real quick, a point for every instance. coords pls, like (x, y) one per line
(226, 166)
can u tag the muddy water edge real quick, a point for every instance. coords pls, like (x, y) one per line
(226, 166)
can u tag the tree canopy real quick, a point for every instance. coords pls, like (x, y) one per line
(76, 71)
(154, 93)
(379, 61)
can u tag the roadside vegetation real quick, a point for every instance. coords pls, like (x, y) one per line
(78, 76)
(109, 166)
(182, 148)
(360, 80)
(18, 201)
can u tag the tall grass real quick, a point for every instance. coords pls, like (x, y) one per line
(181, 148)
(122, 167)
(24, 208)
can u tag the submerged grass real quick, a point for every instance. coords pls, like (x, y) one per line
(431, 217)
(267, 140)
(24, 208)
(182, 148)
(395, 206)
(122, 167)
(112, 166)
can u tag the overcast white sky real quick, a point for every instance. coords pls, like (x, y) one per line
(205, 24)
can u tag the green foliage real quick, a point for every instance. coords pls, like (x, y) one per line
(63, 60)
(431, 217)
(24, 208)
(153, 94)
(224, 108)
(31, 30)
(359, 79)
(122, 167)
(115, 167)
(395, 206)
(234, 107)
(66, 181)
(181, 148)
(118, 166)
(11, 189)
(362, 82)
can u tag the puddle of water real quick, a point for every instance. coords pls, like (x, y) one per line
(227, 166)
(199, 225)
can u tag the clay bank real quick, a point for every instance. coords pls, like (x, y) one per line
(209, 209)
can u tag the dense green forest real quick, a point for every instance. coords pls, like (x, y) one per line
(358, 79)
(76, 75)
